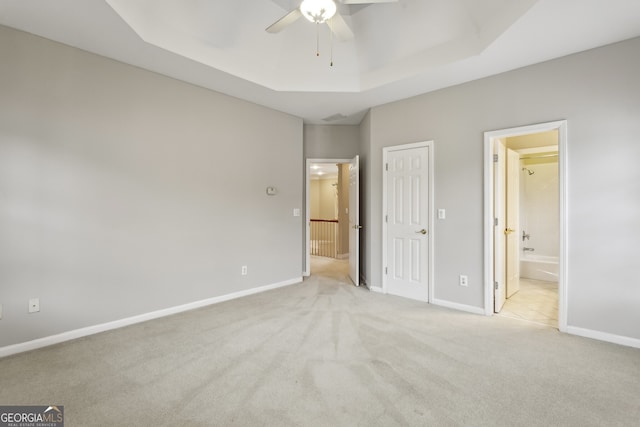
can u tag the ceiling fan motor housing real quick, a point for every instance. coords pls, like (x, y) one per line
(318, 11)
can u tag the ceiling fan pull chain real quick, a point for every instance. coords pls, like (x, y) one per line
(331, 63)
(317, 39)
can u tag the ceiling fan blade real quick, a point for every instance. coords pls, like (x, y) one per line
(367, 1)
(340, 28)
(285, 21)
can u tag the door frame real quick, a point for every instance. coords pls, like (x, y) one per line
(430, 188)
(354, 221)
(306, 271)
(499, 188)
(561, 127)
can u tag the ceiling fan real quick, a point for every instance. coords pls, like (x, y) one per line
(322, 11)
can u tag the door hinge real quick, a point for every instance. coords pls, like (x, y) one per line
(495, 158)
(495, 222)
(386, 270)
(386, 166)
(495, 286)
(386, 218)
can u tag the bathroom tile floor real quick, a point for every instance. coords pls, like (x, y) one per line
(536, 301)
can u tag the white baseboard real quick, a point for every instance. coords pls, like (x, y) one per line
(91, 330)
(377, 289)
(457, 306)
(604, 336)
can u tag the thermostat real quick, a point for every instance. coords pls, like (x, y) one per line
(272, 191)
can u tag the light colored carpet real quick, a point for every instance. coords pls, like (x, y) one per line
(325, 353)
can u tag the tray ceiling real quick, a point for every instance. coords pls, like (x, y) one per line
(399, 49)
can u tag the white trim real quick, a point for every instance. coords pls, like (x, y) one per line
(561, 126)
(457, 306)
(563, 280)
(489, 224)
(385, 152)
(91, 330)
(604, 336)
(376, 289)
(307, 211)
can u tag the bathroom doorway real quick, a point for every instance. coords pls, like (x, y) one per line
(525, 247)
(533, 167)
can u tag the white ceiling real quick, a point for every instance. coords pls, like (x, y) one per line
(323, 170)
(399, 50)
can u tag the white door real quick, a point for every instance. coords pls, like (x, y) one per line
(512, 222)
(354, 221)
(407, 223)
(499, 270)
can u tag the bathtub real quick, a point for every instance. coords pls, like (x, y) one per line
(539, 267)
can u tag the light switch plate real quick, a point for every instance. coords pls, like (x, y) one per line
(442, 214)
(296, 212)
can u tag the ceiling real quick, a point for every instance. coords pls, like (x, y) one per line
(323, 170)
(399, 49)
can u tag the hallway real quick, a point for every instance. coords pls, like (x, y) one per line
(337, 269)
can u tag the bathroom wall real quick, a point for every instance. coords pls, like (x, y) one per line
(539, 206)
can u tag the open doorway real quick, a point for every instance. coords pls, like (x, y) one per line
(524, 196)
(332, 213)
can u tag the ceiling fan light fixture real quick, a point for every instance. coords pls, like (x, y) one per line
(318, 11)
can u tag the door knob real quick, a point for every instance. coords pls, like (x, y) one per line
(508, 231)
(423, 231)
(357, 227)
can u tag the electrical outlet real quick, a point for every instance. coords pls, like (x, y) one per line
(34, 305)
(464, 280)
(244, 270)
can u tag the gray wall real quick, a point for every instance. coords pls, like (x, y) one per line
(598, 92)
(124, 192)
(331, 142)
